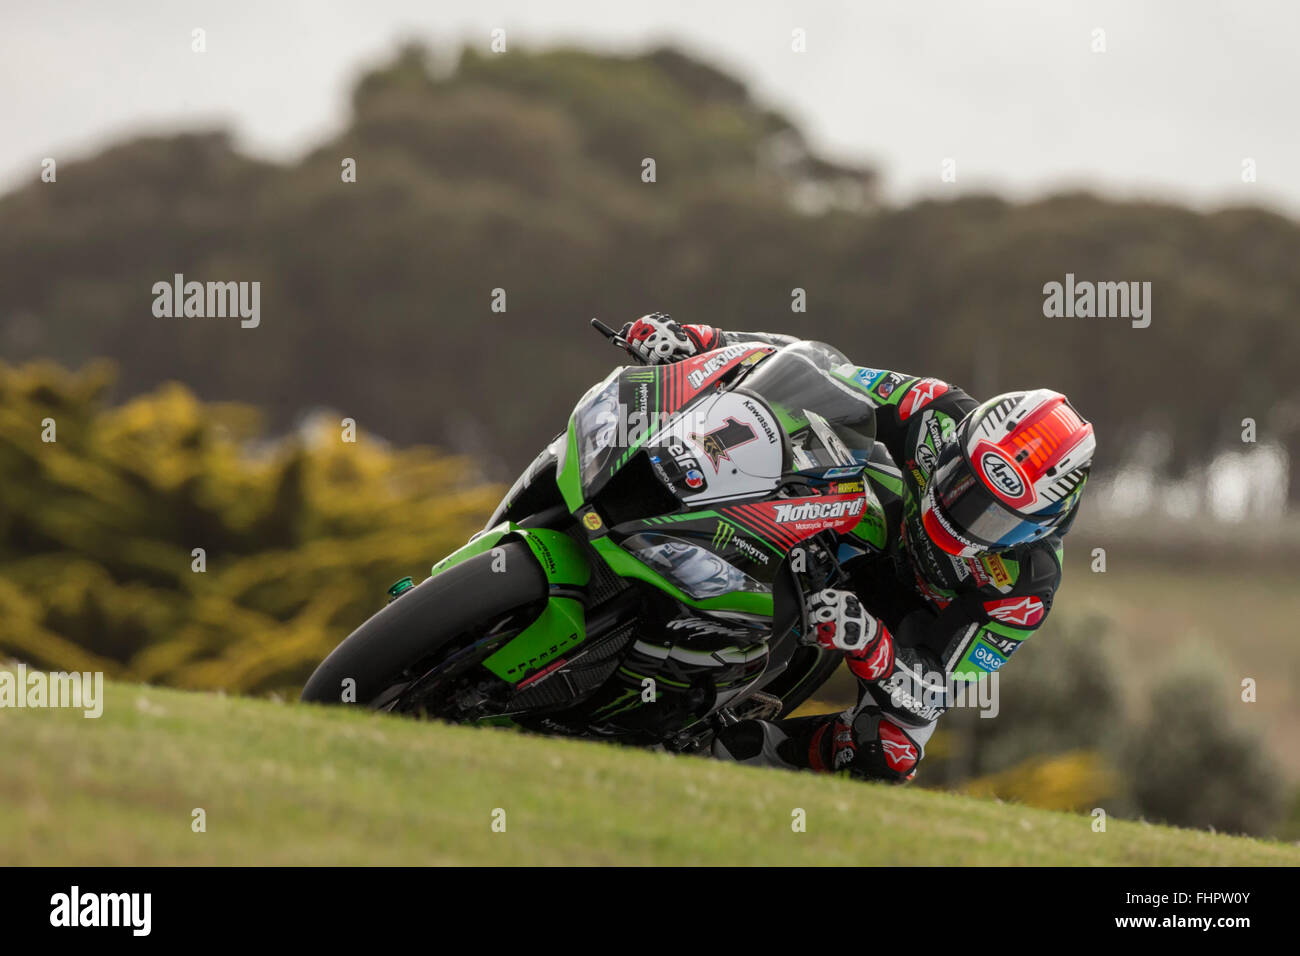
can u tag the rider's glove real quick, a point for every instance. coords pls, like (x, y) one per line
(655, 339)
(839, 622)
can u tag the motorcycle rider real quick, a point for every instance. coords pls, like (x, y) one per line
(985, 494)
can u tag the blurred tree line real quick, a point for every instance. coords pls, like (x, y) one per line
(523, 172)
(103, 510)
(1074, 730)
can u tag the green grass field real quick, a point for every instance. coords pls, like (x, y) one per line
(286, 784)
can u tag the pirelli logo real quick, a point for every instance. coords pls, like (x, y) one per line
(997, 569)
(812, 510)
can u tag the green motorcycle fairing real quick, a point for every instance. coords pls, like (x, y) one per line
(561, 625)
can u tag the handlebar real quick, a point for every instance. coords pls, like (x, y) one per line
(610, 335)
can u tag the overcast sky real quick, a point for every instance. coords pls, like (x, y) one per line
(1010, 89)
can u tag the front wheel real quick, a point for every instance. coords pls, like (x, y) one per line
(398, 643)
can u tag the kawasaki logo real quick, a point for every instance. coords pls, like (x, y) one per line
(812, 510)
(762, 421)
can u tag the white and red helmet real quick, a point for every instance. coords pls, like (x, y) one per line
(1013, 474)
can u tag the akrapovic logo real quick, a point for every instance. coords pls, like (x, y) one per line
(813, 510)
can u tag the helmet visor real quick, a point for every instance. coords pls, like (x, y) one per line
(964, 517)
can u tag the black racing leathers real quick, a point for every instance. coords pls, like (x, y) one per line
(953, 621)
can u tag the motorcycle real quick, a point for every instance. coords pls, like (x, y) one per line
(644, 578)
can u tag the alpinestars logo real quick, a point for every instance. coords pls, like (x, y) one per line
(812, 510)
(717, 444)
(1023, 612)
(900, 752)
(898, 755)
(702, 374)
(920, 395)
(878, 665)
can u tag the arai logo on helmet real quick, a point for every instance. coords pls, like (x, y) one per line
(1001, 474)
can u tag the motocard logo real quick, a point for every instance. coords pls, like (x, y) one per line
(1002, 475)
(815, 511)
(1022, 612)
(715, 362)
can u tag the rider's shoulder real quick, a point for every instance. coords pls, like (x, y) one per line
(883, 386)
(908, 393)
(1035, 567)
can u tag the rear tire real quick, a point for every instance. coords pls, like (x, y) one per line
(425, 619)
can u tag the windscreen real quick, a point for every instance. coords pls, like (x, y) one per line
(829, 423)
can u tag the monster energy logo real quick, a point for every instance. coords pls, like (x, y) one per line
(725, 534)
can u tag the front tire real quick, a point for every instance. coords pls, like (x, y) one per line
(469, 596)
